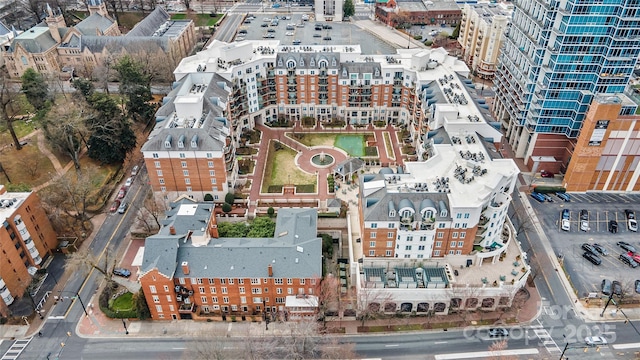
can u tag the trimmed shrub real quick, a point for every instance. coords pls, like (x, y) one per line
(208, 197)
(544, 189)
(226, 208)
(229, 198)
(271, 211)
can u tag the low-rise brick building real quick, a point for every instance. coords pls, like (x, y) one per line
(187, 271)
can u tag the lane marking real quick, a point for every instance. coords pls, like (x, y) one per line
(494, 354)
(392, 345)
(626, 346)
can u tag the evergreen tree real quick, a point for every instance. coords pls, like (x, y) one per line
(348, 9)
(35, 88)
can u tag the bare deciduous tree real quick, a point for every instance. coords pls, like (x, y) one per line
(70, 195)
(9, 105)
(151, 212)
(215, 345)
(370, 303)
(65, 128)
(84, 260)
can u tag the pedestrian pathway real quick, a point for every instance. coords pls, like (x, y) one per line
(60, 170)
(305, 153)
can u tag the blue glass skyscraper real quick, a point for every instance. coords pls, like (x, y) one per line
(556, 57)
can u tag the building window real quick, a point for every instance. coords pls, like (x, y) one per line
(212, 173)
(302, 281)
(452, 244)
(454, 235)
(436, 253)
(421, 247)
(460, 243)
(161, 181)
(201, 289)
(225, 299)
(372, 244)
(389, 244)
(438, 243)
(182, 156)
(451, 252)
(152, 289)
(159, 309)
(185, 172)
(373, 235)
(156, 164)
(279, 291)
(372, 253)
(390, 235)
(212, 290)
(224, 290)
(464, 225)
(256, 291)
(458, 252)
(388, 253)
(440, 235)
(159, 172)
(210, 164)
(463, 235)
(374, 225)
(241, 290)
(230, 281)
(257, 300)
(241, 281)
(156, 299)
(255, 281)
(203, 299)
(166, 288)
(243, 299)
(183, 164)
(407, 247)
(214, 299)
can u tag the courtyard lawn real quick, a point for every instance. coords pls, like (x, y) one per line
(280, 169)
(353, 144)
(199, 19)
(27, 166)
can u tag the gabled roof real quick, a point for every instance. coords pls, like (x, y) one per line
(151, 23)
(294, 252)
(95, 24)
(4, 30)
(118, 43)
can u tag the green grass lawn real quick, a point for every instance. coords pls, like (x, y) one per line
(353, 144)
(280, 169)
(123, 303)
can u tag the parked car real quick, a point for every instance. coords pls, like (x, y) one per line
(637, 286)
(496, 332)
(134, 171)
(628, 260)
(114, 206)
(634, 256)
(613, 226)
(538, 196)
(632, 224)
(595, 340)
(123, 207)
(565, 221)
(600, 249)
(626, 246)
(121, 272)
(128, 183)
(617, 288)
(588, 248)
(547, 174)
(606, 286)
(548, 197)
(584, 220)
(121, 193)
(564, 196)
(594, 259)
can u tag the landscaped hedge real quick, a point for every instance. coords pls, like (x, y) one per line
(103, 301)
(306, 188)
(544, 189)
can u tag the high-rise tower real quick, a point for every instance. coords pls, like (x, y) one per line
(557, 56)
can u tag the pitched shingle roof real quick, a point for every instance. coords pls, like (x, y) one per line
(117, 43)
(295, 250)
(151, 23)
(95, 24)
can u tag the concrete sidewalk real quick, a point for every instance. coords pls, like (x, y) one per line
(97, 325)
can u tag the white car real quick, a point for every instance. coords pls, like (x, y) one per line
(632, 224)
(128, 182)
(595, 340)
(566, 225)
(134, 171)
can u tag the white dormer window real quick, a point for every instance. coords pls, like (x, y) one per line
(301, 62)
(312, 62)
(180, 144)
(344, 73)
(443, 213)
(333, 62)
(392, 213)
(323, 64)
(376, 73)
(167, 142)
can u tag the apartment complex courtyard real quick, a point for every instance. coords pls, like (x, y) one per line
(292, 165)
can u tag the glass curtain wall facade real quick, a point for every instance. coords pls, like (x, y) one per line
(557, 55)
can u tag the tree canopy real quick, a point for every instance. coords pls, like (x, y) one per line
(35, 89)
(348, 9)
(135, 88)
(261, 227)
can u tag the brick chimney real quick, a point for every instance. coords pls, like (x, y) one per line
(185, 267)
(172, 230)
(270, 270)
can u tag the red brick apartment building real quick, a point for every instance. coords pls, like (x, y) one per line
(26, 238)
(189, 272)
(190, 151)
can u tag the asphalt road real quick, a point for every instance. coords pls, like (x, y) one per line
(63, 317)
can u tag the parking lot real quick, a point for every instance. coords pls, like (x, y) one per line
(601, 208)
(341, 33)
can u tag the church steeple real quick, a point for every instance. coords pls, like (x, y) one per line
(55, 21)
(98, 7)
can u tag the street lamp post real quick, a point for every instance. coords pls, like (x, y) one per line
(124, 323)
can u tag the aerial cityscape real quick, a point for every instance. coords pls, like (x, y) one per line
(334, 179)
